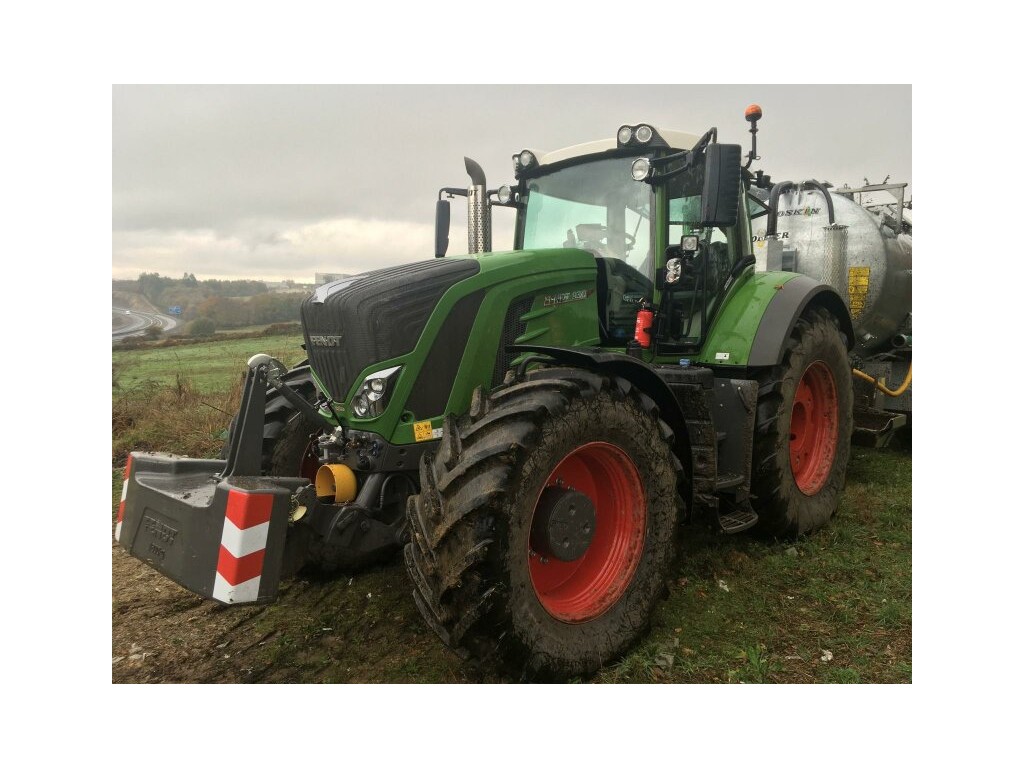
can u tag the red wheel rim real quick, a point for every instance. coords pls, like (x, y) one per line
(814, 428)
(585, 588)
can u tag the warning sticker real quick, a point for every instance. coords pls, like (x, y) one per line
(860, 281)
(423, 431)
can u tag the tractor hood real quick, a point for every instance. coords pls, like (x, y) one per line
(379, 315)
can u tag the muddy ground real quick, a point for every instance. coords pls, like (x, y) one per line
(359, 629)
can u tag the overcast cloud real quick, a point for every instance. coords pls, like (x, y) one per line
(280, 182)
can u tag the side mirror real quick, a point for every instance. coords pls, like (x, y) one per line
(719, 206)
(442, 224)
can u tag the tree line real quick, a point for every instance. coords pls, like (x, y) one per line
(208, 305)
(155, 286)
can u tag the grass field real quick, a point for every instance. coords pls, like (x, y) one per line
(834, 607)
(212, 367)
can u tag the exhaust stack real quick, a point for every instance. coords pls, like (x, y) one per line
(479, 215)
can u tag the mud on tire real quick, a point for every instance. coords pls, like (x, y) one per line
(471, 524)
(793, 499)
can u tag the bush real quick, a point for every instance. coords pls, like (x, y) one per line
(204, 326)
(282, 329)
(176, 418)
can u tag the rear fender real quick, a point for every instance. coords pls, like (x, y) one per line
(789, 304)
(759, 314)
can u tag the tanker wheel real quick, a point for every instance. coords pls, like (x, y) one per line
(804, 424)
(546, 524)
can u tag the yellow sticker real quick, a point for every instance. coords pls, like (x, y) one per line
(860, 281)
(423, 431)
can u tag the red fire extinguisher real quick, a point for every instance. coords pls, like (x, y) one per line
(644, 325)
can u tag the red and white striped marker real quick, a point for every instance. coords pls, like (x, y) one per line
(124, 495)
(243, 545)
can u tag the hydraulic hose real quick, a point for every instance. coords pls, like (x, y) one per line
(882, 388)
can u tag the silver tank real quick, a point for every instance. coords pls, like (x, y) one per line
(866, 256)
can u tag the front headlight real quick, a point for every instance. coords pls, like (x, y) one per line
(372, 397)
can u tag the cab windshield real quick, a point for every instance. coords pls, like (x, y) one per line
(595, 206)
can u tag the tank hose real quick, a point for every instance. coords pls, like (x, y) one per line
(813, 184)
(784, 186)
(773, 206)
(881, 387)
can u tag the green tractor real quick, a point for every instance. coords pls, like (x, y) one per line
(531, 428)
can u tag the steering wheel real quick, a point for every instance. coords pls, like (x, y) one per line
(599, 234)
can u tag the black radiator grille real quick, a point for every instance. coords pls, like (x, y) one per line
(511, 329)
(354, 322)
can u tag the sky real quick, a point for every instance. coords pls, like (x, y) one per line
(280, 182)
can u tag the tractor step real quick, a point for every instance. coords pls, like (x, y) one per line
(727, 482)
(874, 428)
(737, 520)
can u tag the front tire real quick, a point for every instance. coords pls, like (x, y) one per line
(481, 579)
(804, 425)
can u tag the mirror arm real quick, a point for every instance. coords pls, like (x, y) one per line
(691, 158)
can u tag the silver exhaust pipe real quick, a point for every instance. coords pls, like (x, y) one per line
(479, 215)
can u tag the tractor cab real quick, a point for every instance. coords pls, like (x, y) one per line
(639, 203)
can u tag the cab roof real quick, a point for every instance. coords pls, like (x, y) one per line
(675, 139)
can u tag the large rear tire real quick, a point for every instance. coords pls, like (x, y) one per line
(802, 436)
(484, 580)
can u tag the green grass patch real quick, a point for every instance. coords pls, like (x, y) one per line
(181, 399)
(211, 367)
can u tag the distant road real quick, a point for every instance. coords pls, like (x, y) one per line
(132, 322)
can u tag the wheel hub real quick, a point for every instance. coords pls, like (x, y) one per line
(563, 525)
